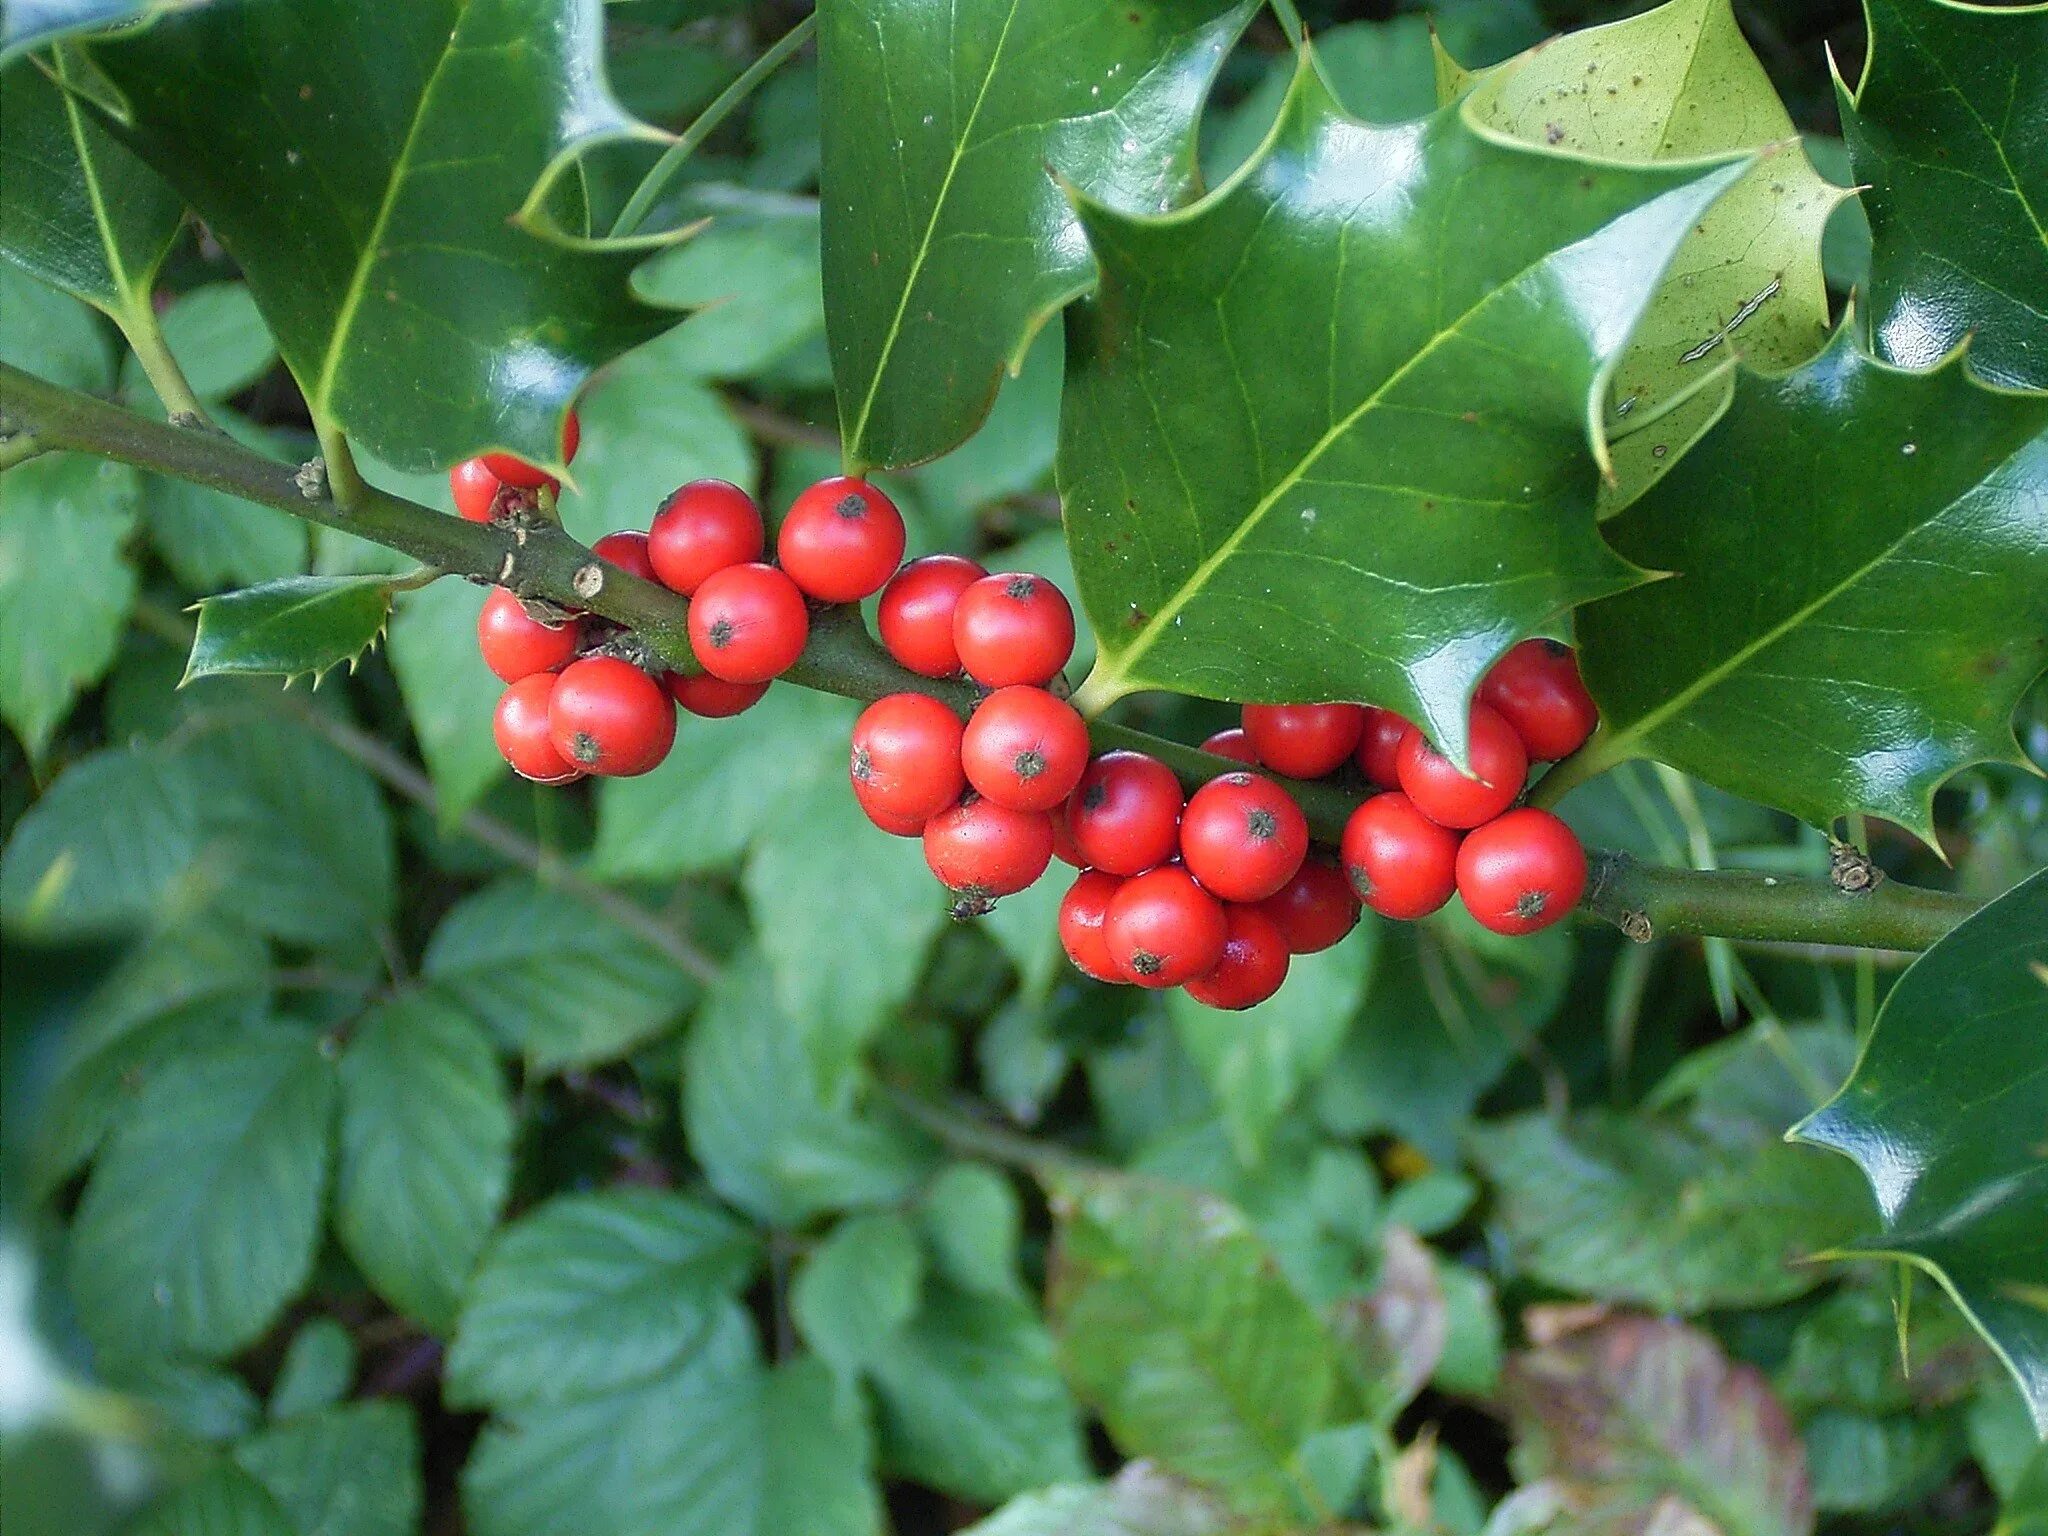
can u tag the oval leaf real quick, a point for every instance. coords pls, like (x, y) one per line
(290, 627)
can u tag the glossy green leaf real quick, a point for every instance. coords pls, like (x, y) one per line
(1945, 127)
(292, 627)
(81, 211)
(199, 1223)
(1290, 472)
(224, 1501)
(426, 1152)
(1861, 675)
(318, 1368)
(1943, 1115)
(351, 1470)
(370, 205)
(947, 243)
(592, 1293)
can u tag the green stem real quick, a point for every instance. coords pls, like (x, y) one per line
(666, 169)
(146, 339)
(543, 561)
(1290, 21)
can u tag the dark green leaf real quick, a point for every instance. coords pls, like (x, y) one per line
(347, 1471)
(224, 1501)
(1945, 129)
(593, 1293)
(200, 1221)
(426, 1152)
(1943, 1115)
(1292, 472)
(946, 242)
(290, 627)
(857, 1289)
(318, 1367)
(1381, 71)
(1860, 676)
(370, 205)
(591, 993)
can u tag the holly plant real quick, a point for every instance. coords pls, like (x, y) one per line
(1036, 767)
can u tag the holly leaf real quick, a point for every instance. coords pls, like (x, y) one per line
(1944, 1113)
(292, 627)
(1945, 129)
(946, 242)
(1263, 400)
(369, 205)
(1893, 651)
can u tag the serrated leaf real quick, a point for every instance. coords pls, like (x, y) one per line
(1639, 1425)
(1943, 1116)
(1945, 129)
(1139, 1501)
(199, 1223)
(351, 1470)
(946, 242)
(1860, 676)
(372, 216)
(212, 540)
(292, 627)
(318, 1366)
(590, 993)
(1175, 1326)
(755, 274)
(972, 1220)
(858, 1288)
(1260, 400)
(592, 1293)
(223, 1501)
(220, 341)
(426, 1152)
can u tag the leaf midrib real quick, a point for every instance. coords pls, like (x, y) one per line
(117, 266)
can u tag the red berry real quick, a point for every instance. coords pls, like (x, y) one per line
(476, 490)
(1163, 929)
(713, 698)
(1025, 749)
(1537, 689)
(628, 551)
(1522, 872)
(704, 527)
(515, 644)
(1315, 909)
(516, 471)
(984, 850)
(896, 826)
(1303, 741)
(1064, 848)
(521, 728)
(1500, 765)
(906, 757)
(1253, 966)
(1379, 747)
(608, 717)
(1243, 837)
(1400, 862)
(1082, 911)
(841, 540)
(1013, 628)
(1233, 744)
(1125, 813)
(748, 624)
(916, 612)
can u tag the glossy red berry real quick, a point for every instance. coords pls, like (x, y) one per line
(1233, 744)
(984, 850)
(524, 736)
(1025, 749)
(1500, 766)
(515, 644)
(1012, 629)
(475, 489)
(704, 527)
(1243, 837)
(841, 541)
(514, 470)
(1064, 848)
(627, 550)
(906, 757)
(1163, 929)
(1537, 689)
(897, 826)
(1254, 963)
(916, 613)
(748, 624)
(1316, 908)
(713, 698)
(1125, 813)
(608, 717)
(1303, 741)
(1082, 911)
(1400, 862)
(1379, 747)
(1521, 872)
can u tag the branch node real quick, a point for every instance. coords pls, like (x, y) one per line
(312, 479)
(1634, 925)
(190, 421)
(505, 569)
(588, 581)
(1850, 870)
